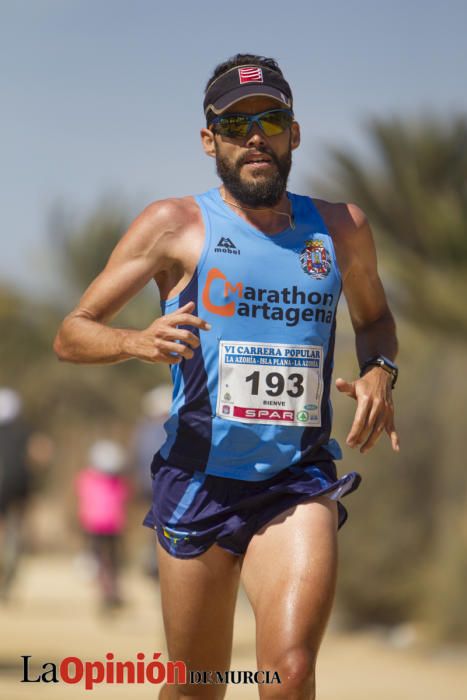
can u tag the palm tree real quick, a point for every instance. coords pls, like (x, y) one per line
(413, 187)
(415, 195)
(56, 393)
(82, 248)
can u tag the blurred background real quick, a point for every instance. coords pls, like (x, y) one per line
(101, 111)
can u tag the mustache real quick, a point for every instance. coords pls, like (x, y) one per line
(245, 156)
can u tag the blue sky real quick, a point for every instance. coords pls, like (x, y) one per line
(106, 95)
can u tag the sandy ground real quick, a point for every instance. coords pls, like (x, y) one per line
(53, 614)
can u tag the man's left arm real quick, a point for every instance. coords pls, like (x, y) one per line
(375, 333)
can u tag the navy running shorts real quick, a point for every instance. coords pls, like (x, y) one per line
(192, 510)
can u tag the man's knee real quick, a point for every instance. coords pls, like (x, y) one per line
(296, 669)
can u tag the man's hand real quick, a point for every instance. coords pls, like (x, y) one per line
(375, 409)
(158, 342)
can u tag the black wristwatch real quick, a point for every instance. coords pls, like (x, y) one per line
(381, 361)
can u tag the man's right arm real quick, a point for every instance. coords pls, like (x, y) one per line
(143, 252)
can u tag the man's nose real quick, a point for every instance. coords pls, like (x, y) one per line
(256, 136)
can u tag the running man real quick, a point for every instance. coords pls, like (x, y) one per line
(245, 485)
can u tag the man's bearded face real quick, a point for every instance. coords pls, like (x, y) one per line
(255, 187)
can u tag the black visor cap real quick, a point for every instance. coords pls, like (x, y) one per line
(245, 81)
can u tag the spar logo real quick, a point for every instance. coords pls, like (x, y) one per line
(314, 259)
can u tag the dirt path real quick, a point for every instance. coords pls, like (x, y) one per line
(53, 615)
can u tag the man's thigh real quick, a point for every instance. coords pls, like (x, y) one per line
(289, 573)
(198, 604)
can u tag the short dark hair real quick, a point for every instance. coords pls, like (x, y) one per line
(243, 59)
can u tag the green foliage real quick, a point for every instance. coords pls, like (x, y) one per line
(404, 549)
(82, 249)
(414, 193)
(388, 540)
(56, 394)
(25, 328)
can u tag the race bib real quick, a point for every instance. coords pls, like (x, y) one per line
(270, 383)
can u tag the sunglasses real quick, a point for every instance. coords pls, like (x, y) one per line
(271, 123)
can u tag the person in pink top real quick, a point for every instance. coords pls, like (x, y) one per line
(102, 503)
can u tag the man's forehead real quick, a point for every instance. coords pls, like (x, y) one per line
(253, 104)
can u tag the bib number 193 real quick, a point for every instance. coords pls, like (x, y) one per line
(277, 384)
(270, 383)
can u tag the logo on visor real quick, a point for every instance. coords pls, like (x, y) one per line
(250, 75)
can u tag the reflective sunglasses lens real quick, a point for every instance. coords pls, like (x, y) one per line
(274, 123)
(235, 126)
(238, 125)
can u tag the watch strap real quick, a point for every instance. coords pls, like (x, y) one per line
(383, 362)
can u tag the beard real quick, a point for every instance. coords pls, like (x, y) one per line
(261, 190)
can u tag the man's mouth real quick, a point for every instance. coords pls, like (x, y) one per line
(259, 160)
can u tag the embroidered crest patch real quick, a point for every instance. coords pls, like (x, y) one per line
(315, 259)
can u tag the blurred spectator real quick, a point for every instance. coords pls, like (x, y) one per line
(102, 505)
(150, 434)
(21, 453)
(148, 437)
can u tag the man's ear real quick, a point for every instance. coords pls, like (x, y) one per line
(295, 135)
(207, 139)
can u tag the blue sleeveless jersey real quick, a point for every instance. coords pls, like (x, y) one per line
(254, 399)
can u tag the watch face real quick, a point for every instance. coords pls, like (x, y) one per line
(389, 363)
(383, 362)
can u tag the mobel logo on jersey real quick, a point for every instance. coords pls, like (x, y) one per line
(226, 245)
(222, 297)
